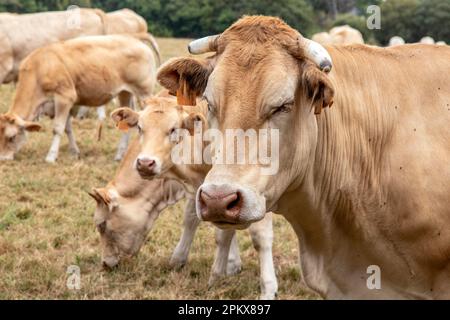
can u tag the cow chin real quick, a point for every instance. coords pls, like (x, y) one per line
(229, 205)
(7, 157)
(110, 262)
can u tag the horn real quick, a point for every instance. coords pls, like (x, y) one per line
(204, 45)
(317, 53)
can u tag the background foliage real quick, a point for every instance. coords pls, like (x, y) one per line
(410, 19)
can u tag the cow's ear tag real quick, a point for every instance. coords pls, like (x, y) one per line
(186, 96)
(123, 126)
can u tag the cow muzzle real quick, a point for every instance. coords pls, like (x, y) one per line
(229, 206)
(148, 167)
(110, 262)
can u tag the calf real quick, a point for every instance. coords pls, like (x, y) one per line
(158, 126)
(128, 207)
(87, 71)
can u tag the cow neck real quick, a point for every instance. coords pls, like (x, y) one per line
(27, 98)
(347, 168)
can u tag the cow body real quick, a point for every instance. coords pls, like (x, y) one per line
(28, 32)
(377, 187)
(87, 71)
(21, 34)
(339, 35)
(365, 185)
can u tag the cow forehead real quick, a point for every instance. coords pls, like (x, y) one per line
(252, 90)
(10, 130)
(160, 118)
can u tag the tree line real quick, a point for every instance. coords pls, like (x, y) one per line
(410, 19)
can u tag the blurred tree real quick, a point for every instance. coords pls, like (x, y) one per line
(398, 18)
(410, 19)
(433, 19)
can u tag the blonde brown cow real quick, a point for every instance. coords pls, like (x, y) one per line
(363, 171)
(87, 71)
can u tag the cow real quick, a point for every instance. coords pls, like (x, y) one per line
(21, 34)
(396, 41)
(85, 71)
(364, 148)
(160, 125)
(128, 207)
(339, 35)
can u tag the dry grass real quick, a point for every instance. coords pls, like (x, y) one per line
(46, 225)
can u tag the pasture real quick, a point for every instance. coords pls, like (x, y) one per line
(46, 225)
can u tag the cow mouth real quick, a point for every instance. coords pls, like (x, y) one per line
(7, 158)
(231, 225)
(147, 175)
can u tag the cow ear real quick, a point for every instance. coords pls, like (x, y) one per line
(31, 126)
(189, 123)
(125, 118)
(100, 195)
(186, 78)
(317, 87)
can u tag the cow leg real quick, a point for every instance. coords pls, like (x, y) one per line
(223, 242)
(234, 258)
(73, 147)
(82, 112)
(191, 222)
(101, 113)
(262, 237)
(62, 110)
(125, 99)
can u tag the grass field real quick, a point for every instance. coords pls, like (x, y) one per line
(46, 224)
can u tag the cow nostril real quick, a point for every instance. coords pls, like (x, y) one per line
(235, 204)
(145, 163)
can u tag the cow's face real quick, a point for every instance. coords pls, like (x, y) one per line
(160, 126)
(13, 134)
(263, 78)
(122, 222)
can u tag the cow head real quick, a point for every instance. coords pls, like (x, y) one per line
(159, 126)
(124, 221)
(264, 76)
(12, 134)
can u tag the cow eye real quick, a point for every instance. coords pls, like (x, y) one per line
(140, 130)
(172, 131)
(211, 109)
(101, 227)
(284, 108)
(11, 139)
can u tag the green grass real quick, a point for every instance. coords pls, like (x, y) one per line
(46, 225)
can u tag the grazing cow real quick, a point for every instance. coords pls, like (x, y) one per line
(396, 41)
(365, 184)
(21, 34)
(158, 125)
(86, 71)
(339, 35)
(128, 208)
